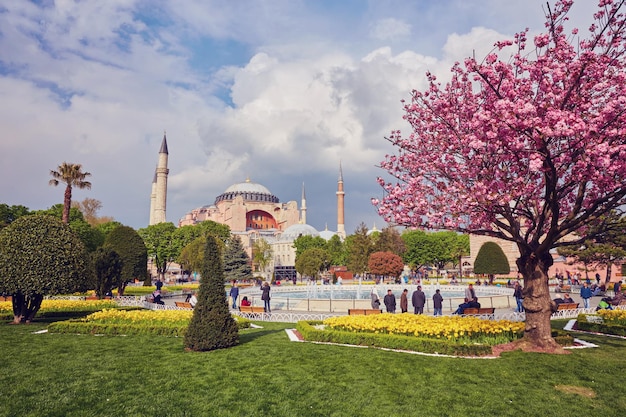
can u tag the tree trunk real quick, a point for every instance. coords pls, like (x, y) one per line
(537, 303)
(608, 272)
(67, 204)
(25, 307)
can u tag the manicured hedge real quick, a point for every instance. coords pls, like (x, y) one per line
(399, 342)
(588, 325)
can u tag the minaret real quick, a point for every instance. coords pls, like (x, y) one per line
(153, 197)
(341, 230)
(160, 201)
(303, 207)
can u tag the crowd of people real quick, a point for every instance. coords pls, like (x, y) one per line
(418, 298)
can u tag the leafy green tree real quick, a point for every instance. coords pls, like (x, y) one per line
(191, 257)
(56, 210)
(106, 227)
(385, 264)
(212, 326)
(132, 251)
(417, 253)
(389, 240)
(162, 248)
(211, 228)
(459, 247)
(107, 266)
(72, 176)
(491, 260)
(40, 255)
(262, 254)
(605, 249)
(359, 248)
(236, 261)
(91, 237)
(336, 251)
(8, 214)
(305, 242)
(312, 261)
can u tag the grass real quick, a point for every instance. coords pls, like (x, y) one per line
(267, 375)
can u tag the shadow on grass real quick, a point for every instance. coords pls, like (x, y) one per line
(249, 335)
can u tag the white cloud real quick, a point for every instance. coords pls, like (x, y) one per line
(276, 90)
(390, 28)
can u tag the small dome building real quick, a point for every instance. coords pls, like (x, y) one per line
(284, 251)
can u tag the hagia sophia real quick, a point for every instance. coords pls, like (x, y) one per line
(251, 211)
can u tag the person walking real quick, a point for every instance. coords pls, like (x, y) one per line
(265, 296)
(234, 293)
(418, 299)
(438, 303)
(585, 294)
(519, 297)
(404, 301)
(390, 302)
(375, 299)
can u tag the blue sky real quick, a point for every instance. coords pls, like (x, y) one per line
(279, 91)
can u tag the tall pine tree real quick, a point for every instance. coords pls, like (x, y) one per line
(236, 261)
(212, 327)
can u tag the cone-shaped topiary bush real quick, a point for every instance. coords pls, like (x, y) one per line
(212, 326)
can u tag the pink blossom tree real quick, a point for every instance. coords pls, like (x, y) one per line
(530, 149)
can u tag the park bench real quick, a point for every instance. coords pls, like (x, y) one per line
(567, 306)
(363, 311)
(565, 310)
(183, 304)
(563, 288)
(251, 309)
(488, 312)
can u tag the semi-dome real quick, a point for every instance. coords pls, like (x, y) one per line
(327, 234)
(296, 230)
(249, 191)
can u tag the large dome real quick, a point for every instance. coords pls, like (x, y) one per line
(247, 187)
(296, 230)
(250, 191)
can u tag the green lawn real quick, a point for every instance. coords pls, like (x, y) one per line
(267, 375)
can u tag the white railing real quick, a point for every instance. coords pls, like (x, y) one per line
(293, 316)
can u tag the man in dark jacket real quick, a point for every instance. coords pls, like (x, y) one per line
(418, 299)
(390, 302)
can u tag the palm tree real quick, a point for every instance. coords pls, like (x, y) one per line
(72, 176)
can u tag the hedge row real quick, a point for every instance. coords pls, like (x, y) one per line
(598, 327)
(400, 342)
(82, 327)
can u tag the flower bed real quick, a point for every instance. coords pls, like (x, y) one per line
(453, 335)
(56, 308)
(454, 328)
(116, 322)
(605, 321)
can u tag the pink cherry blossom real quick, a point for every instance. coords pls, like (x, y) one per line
(530, 150)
